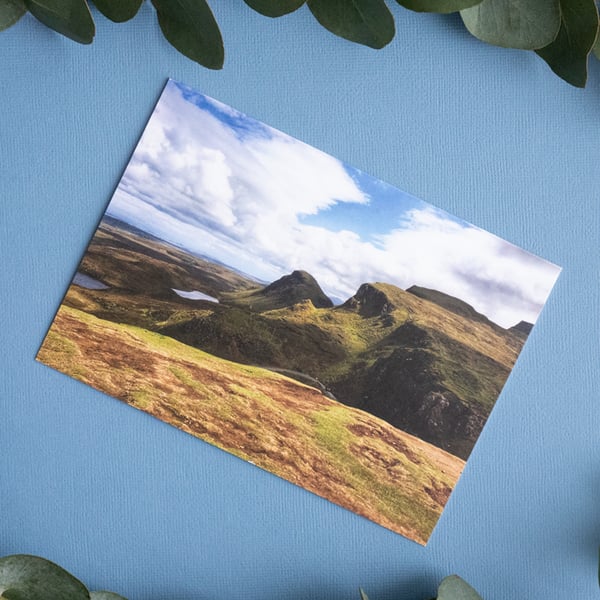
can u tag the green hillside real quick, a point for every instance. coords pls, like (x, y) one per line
(423, 369)
(450, 303)
(421, 360)
(340, 453)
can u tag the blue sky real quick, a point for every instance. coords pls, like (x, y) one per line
(222, 184)
(387, 205)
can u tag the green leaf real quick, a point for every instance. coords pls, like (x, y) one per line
(568, 54)
(455, 588)
(118, 10)
(274, 8)
(526, 24)
(190, 27)
(367, 22)
(105, 596)
(24, 577)
(10, 12)
(363, 595)
(71, 18)
(596, 48)
(438, 6)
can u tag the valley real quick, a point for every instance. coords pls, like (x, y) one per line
(374, 404)
(425, 362)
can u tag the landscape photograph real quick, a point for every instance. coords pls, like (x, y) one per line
(292, 310)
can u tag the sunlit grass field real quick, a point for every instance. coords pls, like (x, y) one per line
(340, 453)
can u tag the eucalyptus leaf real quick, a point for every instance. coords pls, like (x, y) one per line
(568, 54)
(438, 6)
(190, 27)
(367, 22)
(274, 8)
(526, 24)
(105, 596)
(455, 588)
(10, 12)
(596, 48)
(71, 18)
(24, 577)
(118, 10)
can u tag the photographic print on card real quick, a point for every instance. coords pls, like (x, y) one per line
(271, 300)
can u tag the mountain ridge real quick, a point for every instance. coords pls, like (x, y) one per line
(451, 303)
(433, 369)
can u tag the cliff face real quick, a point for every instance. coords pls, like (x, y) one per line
(370, 301)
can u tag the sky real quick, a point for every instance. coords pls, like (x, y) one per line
(216, 182)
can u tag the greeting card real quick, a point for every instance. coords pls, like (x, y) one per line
(296, 312)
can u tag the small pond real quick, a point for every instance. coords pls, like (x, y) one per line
(83, 280)
(194, 295)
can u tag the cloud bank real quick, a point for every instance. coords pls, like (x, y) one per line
(217, 183)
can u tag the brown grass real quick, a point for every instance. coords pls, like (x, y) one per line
(345, 455)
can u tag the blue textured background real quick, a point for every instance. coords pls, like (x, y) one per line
(129, 503)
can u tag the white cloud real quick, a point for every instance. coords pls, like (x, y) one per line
(498, 279)
(240, 197)
(201, 162)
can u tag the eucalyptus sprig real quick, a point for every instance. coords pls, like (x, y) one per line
(561, 32)
(451, 588)
(25, 577)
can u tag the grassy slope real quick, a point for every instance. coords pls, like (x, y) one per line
(472, 358)
(366, 360)
(398, 366)
(341, 348)
(128, 262)
(343, 454)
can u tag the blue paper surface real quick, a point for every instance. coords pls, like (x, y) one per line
(126, 502)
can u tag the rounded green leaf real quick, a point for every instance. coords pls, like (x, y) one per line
(596, 48)
(367, 22)
(24, 577)
(10, 12)
(118, 10)
(190, 27)
(526, 24)
(71, 18)
(105, 596)
(455, 588)
(568, 54)
(274, 8)
(438, 6)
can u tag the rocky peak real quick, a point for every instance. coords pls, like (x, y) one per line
(522, 327)
(370, 301)
(297, 287)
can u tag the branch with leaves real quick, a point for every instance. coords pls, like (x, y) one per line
(561, 32)
(25, 577)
